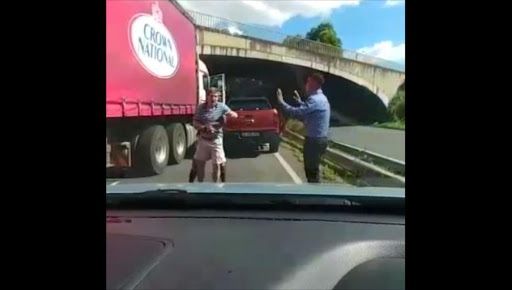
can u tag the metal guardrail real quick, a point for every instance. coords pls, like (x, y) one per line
(394, 165)
(371, 174)
(240, 29)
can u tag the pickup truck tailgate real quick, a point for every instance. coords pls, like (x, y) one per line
(257, 127)
(260, 120)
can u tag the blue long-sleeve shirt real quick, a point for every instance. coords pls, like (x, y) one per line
(315, 112)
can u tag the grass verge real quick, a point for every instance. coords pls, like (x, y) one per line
(397, 125)
(330, 173)
(296, 126)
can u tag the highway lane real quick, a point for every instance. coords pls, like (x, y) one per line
(387, 142)
(281, 167)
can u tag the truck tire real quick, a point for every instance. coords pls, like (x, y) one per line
(177, 143)
(134, 141)
(152, 150)
(274, 145)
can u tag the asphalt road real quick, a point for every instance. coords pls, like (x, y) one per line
(281, 167)
(387, 142)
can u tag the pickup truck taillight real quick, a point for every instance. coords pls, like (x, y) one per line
(276, 119)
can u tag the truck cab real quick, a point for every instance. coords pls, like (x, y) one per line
(206, 81)
(203, 80)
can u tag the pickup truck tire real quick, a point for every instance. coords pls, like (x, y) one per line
(274, 145)
(177, 143)
(152, 150)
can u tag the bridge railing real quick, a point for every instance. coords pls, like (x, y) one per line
(230, 27)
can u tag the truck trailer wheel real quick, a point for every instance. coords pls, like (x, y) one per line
(152, 150)
(177, 143)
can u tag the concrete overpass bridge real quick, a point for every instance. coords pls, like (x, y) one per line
(222, 37)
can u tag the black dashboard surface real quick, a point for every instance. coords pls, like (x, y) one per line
(254, 250)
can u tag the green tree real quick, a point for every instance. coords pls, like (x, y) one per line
(324, 33)
(402, 87)
(397, 106)
(297, 41)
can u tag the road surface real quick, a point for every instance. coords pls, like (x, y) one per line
(281, 167)
(387, 142)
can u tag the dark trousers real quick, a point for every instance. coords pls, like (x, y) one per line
(314, 149)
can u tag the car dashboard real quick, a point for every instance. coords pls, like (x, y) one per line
(210, 249)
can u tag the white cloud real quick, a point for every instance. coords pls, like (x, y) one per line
(391, 3)
(386, 50)
(272, 13)
(234, 30)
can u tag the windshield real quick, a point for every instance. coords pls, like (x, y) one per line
(297, 93)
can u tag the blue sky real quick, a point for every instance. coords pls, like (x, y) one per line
(359, 26)
(373, 27)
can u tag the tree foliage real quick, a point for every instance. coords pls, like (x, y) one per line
(397, 105)
(295, 40)
(324, 33)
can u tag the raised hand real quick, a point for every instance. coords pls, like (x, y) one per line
(279, 95)
(296, 97)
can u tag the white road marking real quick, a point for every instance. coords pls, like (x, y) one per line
(114, 183)
(288, 168)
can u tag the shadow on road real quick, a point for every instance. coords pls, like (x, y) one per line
(121, 173)
(116, 172)
(240, 153)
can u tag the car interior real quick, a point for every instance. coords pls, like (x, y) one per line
(255, 249)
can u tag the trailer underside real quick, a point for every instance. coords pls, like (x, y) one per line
(148, 144)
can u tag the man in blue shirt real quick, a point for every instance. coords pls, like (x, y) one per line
(315, 113)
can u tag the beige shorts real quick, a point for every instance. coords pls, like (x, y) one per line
(207, 150)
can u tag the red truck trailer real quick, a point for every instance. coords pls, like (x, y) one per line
(155, 80)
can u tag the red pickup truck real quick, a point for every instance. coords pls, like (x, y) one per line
(258, 126)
